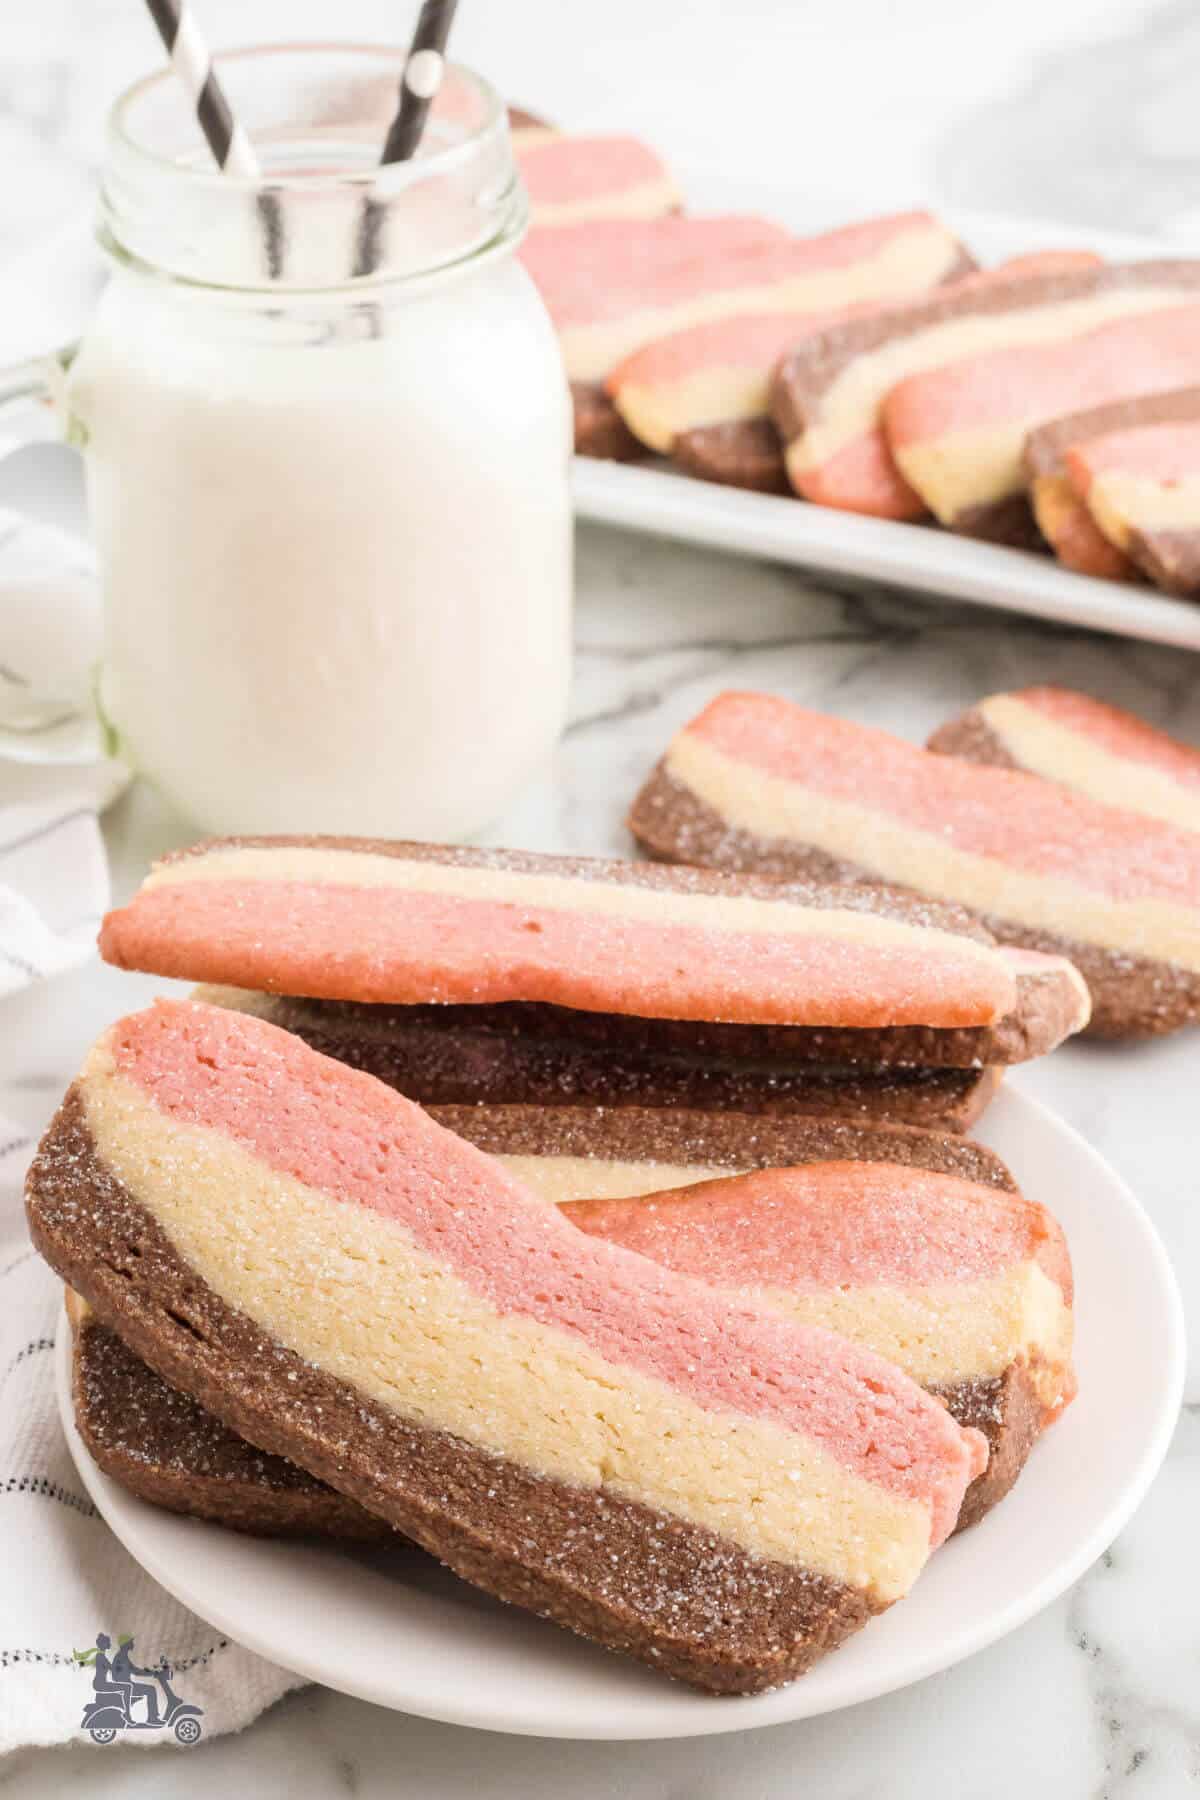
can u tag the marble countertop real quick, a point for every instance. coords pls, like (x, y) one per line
(1085, 112)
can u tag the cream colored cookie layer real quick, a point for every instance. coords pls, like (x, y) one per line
(1072, 758)
(562, 1178)
(769, 806)
(1123, 504)
(732, 912)
(347, 1288)
(949, 1331)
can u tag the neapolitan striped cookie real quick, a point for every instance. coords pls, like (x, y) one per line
(757, 783)
(719, 370)
(828, 397)
(163, 1447)
(1141, 484)
(957, 434)
(965, 1286)
(529, 1055)
(571, 178)
(702, 395)
(682, 956)
(1086, 744)
(347, 1284)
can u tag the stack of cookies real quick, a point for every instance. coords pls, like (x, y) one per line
(1052, 401)
(604, 1229)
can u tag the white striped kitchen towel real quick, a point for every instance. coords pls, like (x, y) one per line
(63, 1576)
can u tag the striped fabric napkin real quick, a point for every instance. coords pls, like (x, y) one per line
(63, 1576)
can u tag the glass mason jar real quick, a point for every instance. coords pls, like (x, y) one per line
(326, 432)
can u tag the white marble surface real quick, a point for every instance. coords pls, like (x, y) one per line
(1088, 110)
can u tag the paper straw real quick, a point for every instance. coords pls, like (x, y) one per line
(421, 80)
(232, 150)
(422, 77)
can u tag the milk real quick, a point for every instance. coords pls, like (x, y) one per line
(336, 550)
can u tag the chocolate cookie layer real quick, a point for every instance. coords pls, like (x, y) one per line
(634, 1580)
(161, 1445)
(1007, 1410)
(463, 1055)
(741, 453)
(600, 430)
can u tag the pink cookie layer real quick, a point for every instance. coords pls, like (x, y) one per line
(1121, 733)
(606, 295)
(605, 267)
(1028, 383)
(1166, 453)
(346, 1136)
(861, 477)
(558, 170)
(834, 1225)
(388, 944)
(1015, 818)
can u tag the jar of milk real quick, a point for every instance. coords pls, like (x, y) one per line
(326, 433)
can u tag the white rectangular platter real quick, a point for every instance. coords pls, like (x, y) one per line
(655, 498)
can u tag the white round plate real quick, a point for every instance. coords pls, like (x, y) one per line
(393, 1628)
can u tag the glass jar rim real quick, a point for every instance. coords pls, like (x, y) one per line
(149, 193)
(120, 138)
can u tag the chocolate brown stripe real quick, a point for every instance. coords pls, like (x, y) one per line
(802, 380)
(741, 453)
(1132, 996)
(442, 1062)
(717, 1139)
(681, 1599)
(1045, 1010)
(1170, 558)
(1009, 521)
(1046, 448)
(1010, 1415)
(600, 430)
(162, 1446)
(971, 739)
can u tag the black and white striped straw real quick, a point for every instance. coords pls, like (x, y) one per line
(232, 150)
(193, 63)
(421, 80)
(424, 67)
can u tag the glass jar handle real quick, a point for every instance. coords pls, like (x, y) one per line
(47, 707)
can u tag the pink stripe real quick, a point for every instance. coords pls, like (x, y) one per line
(861, 477)
(833, 1225)
(1026, 384)
(558, 171)
(1122, 733)
(389, 944)
(1166, 453)
(582, 285)
(347, 1136)
(1013, 817)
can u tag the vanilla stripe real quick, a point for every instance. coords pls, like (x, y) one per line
(733, 912)
(649, 200)
(348, 1289)
(1069, 756)
(562, 1178)
(657, 413)
(769, 806)
(947, 1331)
(1145, 503)
(965, 469)
(850, 404)
(908, 263)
